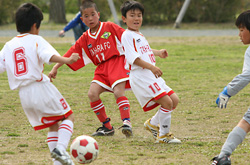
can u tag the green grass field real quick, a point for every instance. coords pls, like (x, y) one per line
(197, 69)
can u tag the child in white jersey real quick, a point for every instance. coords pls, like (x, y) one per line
(145, 78)
(23, 59)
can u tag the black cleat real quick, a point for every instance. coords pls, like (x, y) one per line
(104, 131)
(225, 160)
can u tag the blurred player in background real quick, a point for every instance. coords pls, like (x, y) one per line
(76, 25)
(145, 78)
(238, 134)
(101, 45)
(23, 59)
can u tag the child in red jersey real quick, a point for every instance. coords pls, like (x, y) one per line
(101, 45)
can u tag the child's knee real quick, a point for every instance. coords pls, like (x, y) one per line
(168, 105)
(54, 127)
(71, 118)
(175, 100)
(92, 95)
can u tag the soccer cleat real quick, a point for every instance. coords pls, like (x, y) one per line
(61, 156)
(224, 160)
(104, 131)
(153, 129)
(167, 138)
(127, 128)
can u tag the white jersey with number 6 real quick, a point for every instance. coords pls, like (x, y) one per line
(144, 84)
(25, 56)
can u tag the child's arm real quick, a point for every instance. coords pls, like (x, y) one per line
(154, 69)
(60, 61)
(64, 60)
(161, 53)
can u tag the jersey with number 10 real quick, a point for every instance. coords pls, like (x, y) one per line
(136, 46)
(146, 87)
(23, 58)
(99, 47)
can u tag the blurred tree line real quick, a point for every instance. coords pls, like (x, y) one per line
(157, 12)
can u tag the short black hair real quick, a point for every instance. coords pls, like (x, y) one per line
(26, 15)
(243, 20)
(131, 5)
(88, 4)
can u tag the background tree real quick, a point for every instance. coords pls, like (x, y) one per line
(160, 12)
(57, 11)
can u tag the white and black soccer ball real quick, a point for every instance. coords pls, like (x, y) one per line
(84, 149)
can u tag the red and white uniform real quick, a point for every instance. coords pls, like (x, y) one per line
(144, 84)
(23, 59)
(104, 50)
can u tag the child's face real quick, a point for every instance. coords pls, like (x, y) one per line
(244, 35)
(133, 19)
(91, 18)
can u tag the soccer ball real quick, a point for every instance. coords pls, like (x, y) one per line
(84, 149)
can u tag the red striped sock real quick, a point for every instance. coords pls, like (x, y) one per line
(124, 107)
(100, 112)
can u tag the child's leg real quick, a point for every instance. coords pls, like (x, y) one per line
(122, 101)
(124, 107)
(65, 132)
(155, 119)
(52, 139)
(164, 121)
(235, 137)
(96, 104)
(167, 106)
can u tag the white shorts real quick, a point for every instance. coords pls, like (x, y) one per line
(43, 104)
(146, 88)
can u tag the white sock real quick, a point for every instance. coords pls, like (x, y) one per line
(64, 134)
(155, 119)
(52, 139)
(164, 120)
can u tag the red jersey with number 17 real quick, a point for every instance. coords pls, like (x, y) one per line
(98, 47)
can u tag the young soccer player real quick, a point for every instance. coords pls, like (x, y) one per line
(76, 25)
(238, 134)
(23, 59)
(101, 45)
(145, 78)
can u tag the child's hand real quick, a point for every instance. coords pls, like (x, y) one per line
(52, 74)
(156, 71)
(73, 58)
(163, 53)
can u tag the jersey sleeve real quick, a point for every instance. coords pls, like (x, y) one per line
(2, 62)
(118, 30)
(241, 80)
(45, 51)
(80, 47)
(130, 48)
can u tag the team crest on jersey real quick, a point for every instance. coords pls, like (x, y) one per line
(90, 46)
(106, 35)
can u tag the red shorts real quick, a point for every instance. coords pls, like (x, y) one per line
(112, 72)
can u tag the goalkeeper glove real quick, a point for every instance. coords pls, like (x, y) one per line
(223, 99)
